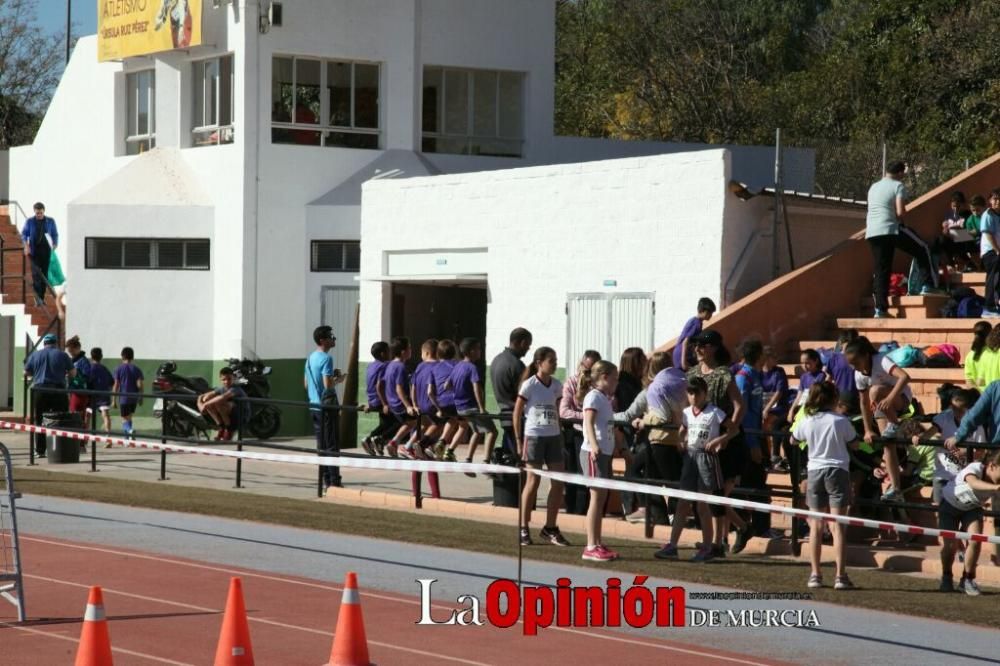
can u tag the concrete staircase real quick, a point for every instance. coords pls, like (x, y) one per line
(16, 282)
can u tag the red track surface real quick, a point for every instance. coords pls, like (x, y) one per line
(168, 610)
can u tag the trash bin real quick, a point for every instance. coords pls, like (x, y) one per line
(505, 490)
(62, 449)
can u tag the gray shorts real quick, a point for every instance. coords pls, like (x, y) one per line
(828, 487)
(480, 424)
(544, 450)
(599, 469)
(701, 473)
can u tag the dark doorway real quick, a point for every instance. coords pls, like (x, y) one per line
(421, 311)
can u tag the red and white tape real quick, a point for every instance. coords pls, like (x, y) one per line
(434, 466)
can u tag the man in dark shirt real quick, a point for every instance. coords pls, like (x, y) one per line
(505, 374)
(48, 367)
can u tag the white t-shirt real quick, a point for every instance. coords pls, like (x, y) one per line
(959, 494)
(827, 435)
(597, 402)
(541, 414)
(702, 425)
(882, 367)
(946, 464)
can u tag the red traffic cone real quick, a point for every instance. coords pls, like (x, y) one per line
(234, 640)
(95, 643)
(350, 646)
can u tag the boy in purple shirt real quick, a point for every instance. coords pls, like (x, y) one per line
(467, 385)
(840, 372)
(397, 392)
(683, 352)
(423, 396)
(128, 379)
(375, 384)
(444, 397)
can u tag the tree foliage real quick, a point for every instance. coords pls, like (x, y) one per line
(30, 64)
(919, 74)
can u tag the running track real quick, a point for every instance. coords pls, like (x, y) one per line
(168, 610)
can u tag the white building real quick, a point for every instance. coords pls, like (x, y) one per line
(209, 198)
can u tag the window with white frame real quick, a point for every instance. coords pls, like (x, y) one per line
(192, 254)
(212, 117)
(318, 102)
(140, 109)
(472, 112)
(336, 256)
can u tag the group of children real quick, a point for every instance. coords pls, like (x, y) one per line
(123, 387)
(970, 240)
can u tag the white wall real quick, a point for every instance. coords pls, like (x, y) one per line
(654, 224)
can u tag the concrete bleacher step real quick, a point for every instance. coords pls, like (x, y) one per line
(909, 307)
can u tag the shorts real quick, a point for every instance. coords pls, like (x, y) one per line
(77, 402)
(544, 450)
(402, 418)
(447, 414)
(828, 487)
(480, 424)
(701, 472)
(951, 518)
(597, 469)
(127, 410)
(733, 459)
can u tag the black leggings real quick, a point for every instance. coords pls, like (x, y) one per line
(664, 462)
(884, 247)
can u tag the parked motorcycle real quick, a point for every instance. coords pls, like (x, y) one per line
(263, 421)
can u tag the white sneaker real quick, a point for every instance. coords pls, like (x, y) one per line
(970, 586)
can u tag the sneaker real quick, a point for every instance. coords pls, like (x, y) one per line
(882, 314)
(379, 446)
(931, 291)
(449, 456)
(743, 537)
(773, 534)
(366, 444)
(595, 554)
(668, 552)
(392, 450)
(407, 452)
(890, 430)
(990, 314)
(815, 582)
(525, 537)
(471, 475)
(418, 452)
(637, 516)
(843, 583)
(553, 536)
(439, 451)
(892, 495)
(607, 551)
(781, 466)
(947, 584)
(704, 555)
(971, 587)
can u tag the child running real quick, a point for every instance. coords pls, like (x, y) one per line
(828, 436)
(540, 441)
(705, 430)
(465, 381)
(444, 398)
(884, 395)
(422, 395)
(594, 393)
(128, 381)
(377, 402)
(397, 393)
(101, 380)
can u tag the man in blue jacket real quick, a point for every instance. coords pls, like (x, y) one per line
(985, 413)
(35, 234)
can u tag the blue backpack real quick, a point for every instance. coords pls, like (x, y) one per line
(907, 356)
(970, 307)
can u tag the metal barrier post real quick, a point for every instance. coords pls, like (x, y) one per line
(11, 585)
(793, 472)
(321, 449)
(163, 454)
(94, 411)
(239, 442)
(648, 523)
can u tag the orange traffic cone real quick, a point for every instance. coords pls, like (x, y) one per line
(95, 643)
(234, 640)
(350, 646)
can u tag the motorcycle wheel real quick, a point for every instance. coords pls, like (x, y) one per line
(264, 424)
(175, 427)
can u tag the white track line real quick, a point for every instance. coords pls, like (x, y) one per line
(130, 653)
(410, 602)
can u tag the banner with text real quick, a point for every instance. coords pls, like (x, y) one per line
(137, 27)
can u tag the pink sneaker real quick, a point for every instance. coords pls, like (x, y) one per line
(597, 554)
(407, 452)
(607, 551)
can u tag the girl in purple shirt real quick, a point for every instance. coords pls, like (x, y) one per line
(812, 373)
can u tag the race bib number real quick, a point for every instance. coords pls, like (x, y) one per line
(544, 415)
(966, 496)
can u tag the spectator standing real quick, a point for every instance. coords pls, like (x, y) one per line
(506, 370)
(571, 410)
(778, 400)
(35, 236)
(885, 233)
(81, 380)
(684, 357)
(594, 392)
(750, 382)
(989, 247)
(128, 383)
(101, 379)
(320, 379)
(47, 367)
